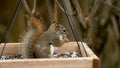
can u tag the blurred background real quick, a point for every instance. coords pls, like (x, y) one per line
(98, 22)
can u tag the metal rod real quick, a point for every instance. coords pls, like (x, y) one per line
(70, 20)
(12, 21)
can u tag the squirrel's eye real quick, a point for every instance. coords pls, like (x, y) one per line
(64, 30)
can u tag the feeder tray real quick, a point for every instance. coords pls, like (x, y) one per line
(90, 61)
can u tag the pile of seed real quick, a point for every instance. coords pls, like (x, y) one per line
(11, 57)
(55, 55)
(67, 55)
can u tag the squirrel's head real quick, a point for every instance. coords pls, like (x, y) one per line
(58, 28)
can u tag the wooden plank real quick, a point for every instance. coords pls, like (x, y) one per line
(14, 48)
(83, 52)
(92, 61)
(96, 60)
(89, 51)
(48, 63)
(96, 63)
(11, 49)
(68, 47)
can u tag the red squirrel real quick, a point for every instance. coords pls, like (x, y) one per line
(36, 42)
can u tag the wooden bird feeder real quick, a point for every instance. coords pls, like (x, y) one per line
(92, 61)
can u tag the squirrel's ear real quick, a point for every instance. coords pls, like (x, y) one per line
(53, 21)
